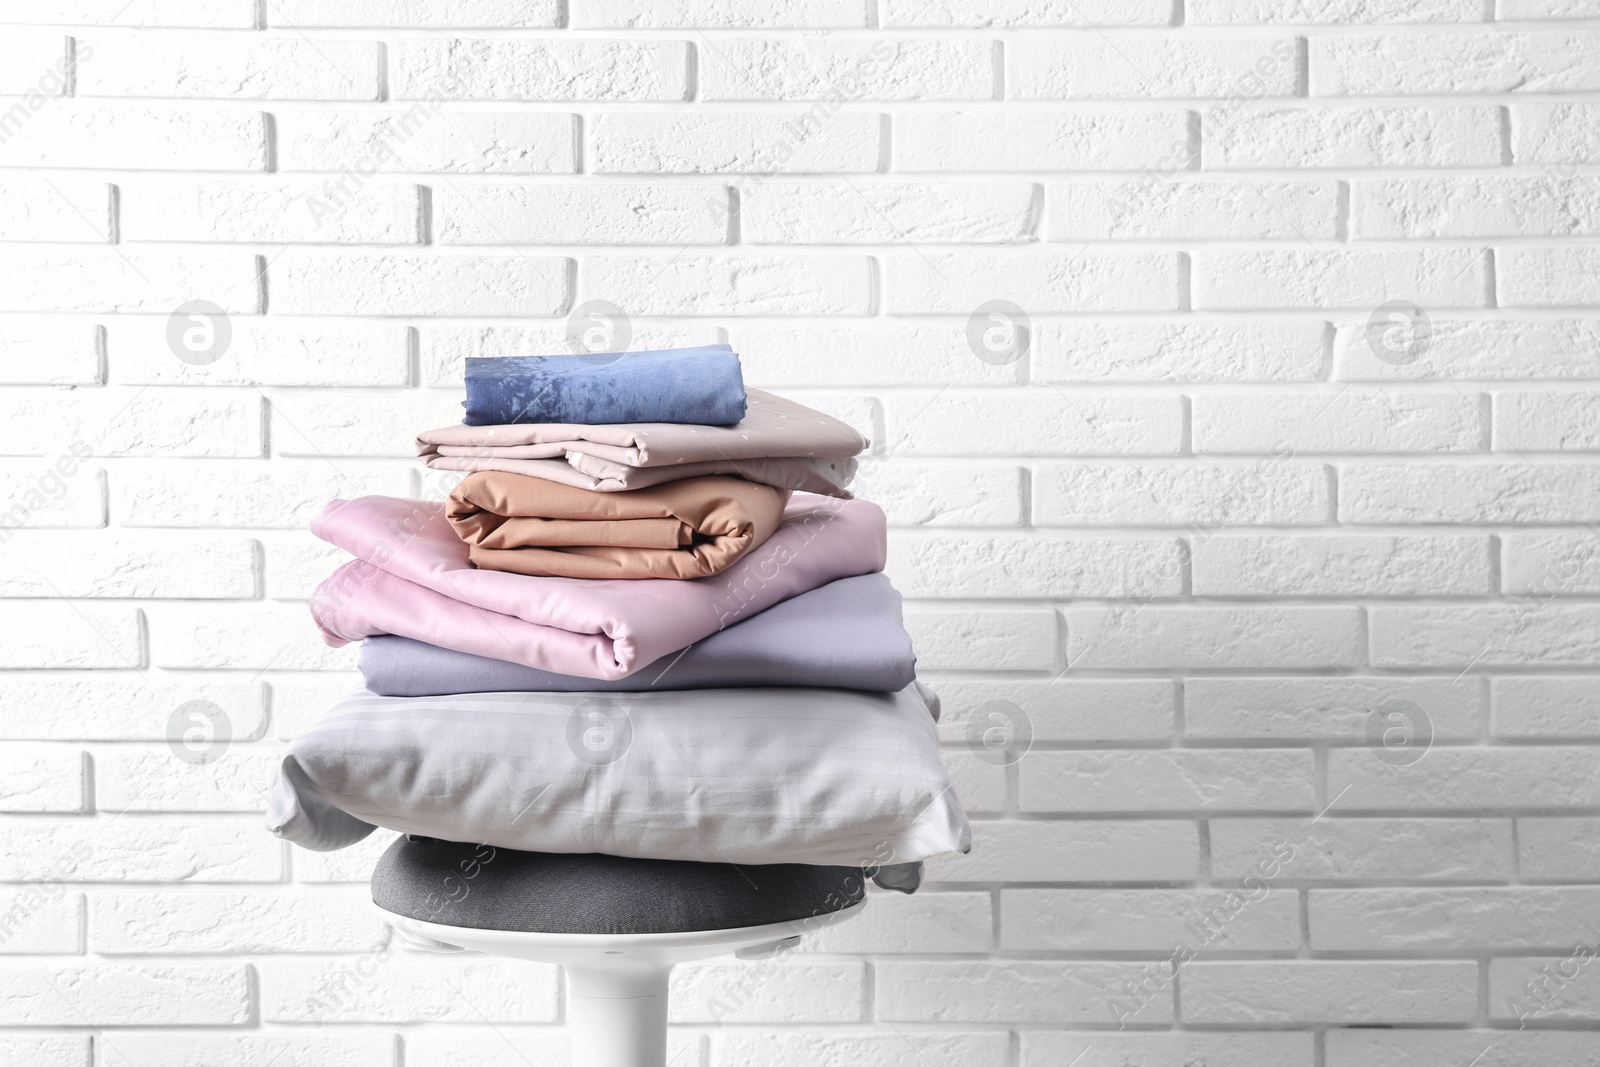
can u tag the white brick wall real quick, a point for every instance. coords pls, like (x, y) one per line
(1175, 505)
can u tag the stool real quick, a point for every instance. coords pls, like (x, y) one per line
(616, 926)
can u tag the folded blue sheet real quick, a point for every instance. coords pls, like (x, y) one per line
(701, 385)
(844, 635)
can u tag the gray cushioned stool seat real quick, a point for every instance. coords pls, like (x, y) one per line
(487, 888)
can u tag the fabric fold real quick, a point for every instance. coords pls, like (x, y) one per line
(701, 385)
(692, 528)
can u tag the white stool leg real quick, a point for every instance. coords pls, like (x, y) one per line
(617, 1014)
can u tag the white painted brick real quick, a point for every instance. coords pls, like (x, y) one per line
(347, 866)
(61, 493)
(932, 565)
(641, 14)
(1547, 277)
(730, 285)
(1280, 992)
(201, 923)
(40, 921)
(1457, 920)
(580, 214)
(1433, 278)
(926, 922)
(37, 778)
(444, 350)
(957, 283)
(1562, 134)
(49, 1050)
(55, 634)
(1569, 998)
(379, 986)
(825, 68)
(140, 848)
(296, 564)
(506, 69)
(109, 706)
(806, 353)
(143, 281)
(49, 351)
(228, 68)
(1308, 709)
(414, 285)
(1144, 850)
(1330, 849)
(1319, 137)
(1152, 208)
(464, 14)
(1045, 423)
(1565, 849)
(270, 212)
(1343, 420)
(1335, 12)
(1546, 707)
(1484, 635)
(1537, 206)
(69, 135)
(1025, 13)
(1129, 351)
(730, 1048)
(510, 1046)
(1269, 491)
(781, 990)
(429, 138)
(1495, 348)
(181, 1048)
(325, 424)
(153, 778)
(1168, 782)
(153, 994)
(734, 142)
(1013, 140)
(265, 351)
(278, 496)
(964, 494)
(1494, 1048)
(1547, 9)
(1094, 65)
(1473, 778)
(1062, 709)
(884, 213)
(1120, 636)
(1546, 422)
(58, 208)
(34, 62)
(1044, 1048)
(253, 638)
(200, 14)
(1510, 492)
(1350, 565)
(1009, 990)
(92, 565)
(968, 639)
(1262, 919)
(120, 422)
(1492, 61)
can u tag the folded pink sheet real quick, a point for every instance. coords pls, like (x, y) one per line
(412, 577)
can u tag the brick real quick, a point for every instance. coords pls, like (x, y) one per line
(378, 987)
(428, 138)
(1539, 707)
(1494, 1048)
(503, 1046)
(1043, 1048)
(1011, 140)
(431, 68)
(1269, 491)
(981, 785)
(1538, 206)
(229, 68)
(1485, 635)
(1323, 137)
(1559, 849)
(1289, 992)
(71, 135)
(938, 566)
(153, 994)
(1331, 12)
(50, 1050)
(270, 212)
(1547, 9)
(1563, 993)
(139, 848)
(1150, 920)
(1094, 66)
(1169, 352)
(1347, 565)
(1433, 278)
(1045, 423)
(197, 14)
(995, 639)
(926, 922)
(405, 14)
(734, 142)
(121, 422)
(40, 921)
(1131, 636)
(1001, 13)
(1316, 709)
(1331, 849)
(1152, 208)
(34, 62)
(787, 990)
(297, 564)
(1547, 277)
(104, 706)
(807, 353)
(730, 285)
(1472, 493)
(201, 1049)
(1487, 62)
(282, 496)
(1348, 420)
(1168, 782)
(444, 350)
(70, 351)
(785, 14)
(581, 214)
(265, 351)
(959, 494)
(153, 778)
(1077, 851)
(1462, 350)
(40, 778)
(1456, 920)
(95, 566)
(932, 1050)
(1546, 422)
(300, 702)
(1062, 709)
(440, 285)
(825, 68)
(1563, 134)
(56, 494)
(114, 281)
(1471, 778)
(312, 424)
(173, 924)
(1034, 991)
(59, 208)
(777, 212)
(56, 635)
(958, 283)
(257, 638)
